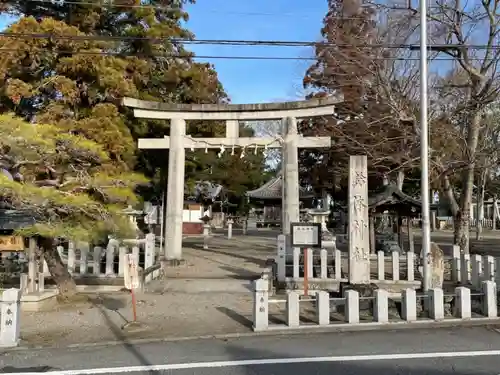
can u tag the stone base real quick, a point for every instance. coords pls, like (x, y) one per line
(394, 288)
(40, 301)
(364, 290)
(134, 326)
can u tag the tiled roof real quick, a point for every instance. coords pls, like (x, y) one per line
(12, 219)
(273, 189)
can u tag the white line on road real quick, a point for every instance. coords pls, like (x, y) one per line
(271, 361)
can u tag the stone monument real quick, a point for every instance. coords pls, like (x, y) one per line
(436, 266)
(359, 236)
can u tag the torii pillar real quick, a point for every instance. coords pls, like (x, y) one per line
(178, 141)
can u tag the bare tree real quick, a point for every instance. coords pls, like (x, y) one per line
(360, 59)
(269, 129)
(469, 35)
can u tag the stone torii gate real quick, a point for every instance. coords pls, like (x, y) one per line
(178, 141)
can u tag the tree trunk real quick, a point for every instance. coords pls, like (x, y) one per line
(450, 195)
(57, 269)
(480, 204)
(462, 219)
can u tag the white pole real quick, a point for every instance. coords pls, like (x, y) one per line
(424, 139)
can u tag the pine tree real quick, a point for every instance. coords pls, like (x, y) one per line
(67, 183)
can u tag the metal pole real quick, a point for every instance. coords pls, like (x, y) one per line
(424, 144)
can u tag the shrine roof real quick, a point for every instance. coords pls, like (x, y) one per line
(273, 189)
(391, 195)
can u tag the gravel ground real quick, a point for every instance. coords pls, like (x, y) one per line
(103, 317)
(208, 295)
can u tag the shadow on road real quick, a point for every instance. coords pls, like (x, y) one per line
(108, 305)
(260, 262)
(20, 370)
(437, 366)
(235, 316)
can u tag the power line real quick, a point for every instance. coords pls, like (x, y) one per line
(218, 57)
(229, 42)
(169, 8)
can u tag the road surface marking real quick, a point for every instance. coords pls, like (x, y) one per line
(271, 361)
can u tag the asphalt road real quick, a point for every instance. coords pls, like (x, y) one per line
(462, 351)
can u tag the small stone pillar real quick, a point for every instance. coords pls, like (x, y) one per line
(206, 230)
(230, 223)
(281, 258)
(261, 305)
(206, 235)
(409, 305)
(323, 308)
(245, 225)
(462, 308)
(489, 305)
(352, 307)
(293, 309)
(436, 304)
(10, 324)
(476, 270)
(381, 308)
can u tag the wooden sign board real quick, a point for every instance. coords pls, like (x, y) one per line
(11, 243)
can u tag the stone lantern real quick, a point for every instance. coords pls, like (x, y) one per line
(320, 216)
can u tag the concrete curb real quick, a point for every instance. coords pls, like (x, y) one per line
(276, 332)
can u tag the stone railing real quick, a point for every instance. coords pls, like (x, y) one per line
(382, 309)
(332, 265)
(84, 262)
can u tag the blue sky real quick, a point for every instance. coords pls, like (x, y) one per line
(258, 80)
(255, 81)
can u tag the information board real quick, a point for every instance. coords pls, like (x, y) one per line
(306, 235)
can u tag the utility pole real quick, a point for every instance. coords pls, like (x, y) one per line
(424, 148)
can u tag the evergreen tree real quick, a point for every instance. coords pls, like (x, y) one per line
(70, 186)
(154, 71)
(69, 65)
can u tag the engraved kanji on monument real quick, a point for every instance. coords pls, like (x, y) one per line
(359, 246)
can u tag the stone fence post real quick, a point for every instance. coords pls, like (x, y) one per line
(281, 259)
(149, 254)
(230, 228)
(261, 305)
(10, 314)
